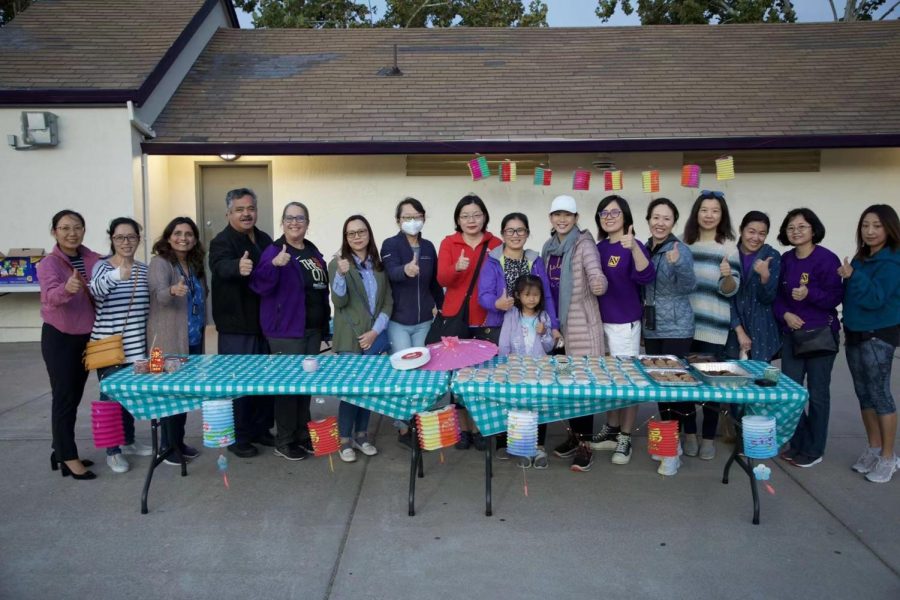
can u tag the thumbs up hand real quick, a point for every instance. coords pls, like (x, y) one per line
(412, 267)
(179, 289)
(462, 263)
(725, 267)
(627, 240)
(504, 302)
(799, 293)
(245, 265)
(73, 283)
(845, 270)
(762, 267)
(343, 264)
(673, 255)
(282, 258)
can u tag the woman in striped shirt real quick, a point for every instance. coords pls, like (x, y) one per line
(718, 272)
(122, 300)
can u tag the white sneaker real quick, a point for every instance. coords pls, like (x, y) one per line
(691, 445)
(669, 466)
(347, 455)
(366, 448)
(867, 460)
(884, 470)
(137, 449)
(117, 463)
(707, 449)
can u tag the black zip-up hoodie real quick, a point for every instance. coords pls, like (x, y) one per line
(235, 306)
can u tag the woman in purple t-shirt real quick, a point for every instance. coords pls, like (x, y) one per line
(809, 290)
(626, 264)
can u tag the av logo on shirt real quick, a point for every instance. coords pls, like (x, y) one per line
(613, 261)
(804, 278)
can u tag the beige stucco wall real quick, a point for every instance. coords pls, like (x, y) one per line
(95, 172)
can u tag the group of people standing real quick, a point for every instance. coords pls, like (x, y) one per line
(707, 292)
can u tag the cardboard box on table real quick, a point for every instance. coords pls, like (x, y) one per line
(19, 266)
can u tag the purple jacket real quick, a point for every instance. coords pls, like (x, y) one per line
(282, 297)
(512, 339)
(69, 313)
(492, 284)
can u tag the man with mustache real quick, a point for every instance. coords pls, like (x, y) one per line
(233, 253)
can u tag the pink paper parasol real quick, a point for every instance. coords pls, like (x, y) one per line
(453, 353)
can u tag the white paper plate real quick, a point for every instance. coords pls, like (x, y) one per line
(411, 358)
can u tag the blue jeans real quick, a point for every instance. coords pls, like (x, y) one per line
(870, 366)
(356, 418)
(403, 337)
(812, 430)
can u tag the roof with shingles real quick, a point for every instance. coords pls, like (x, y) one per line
(90, 45)
(606, 83)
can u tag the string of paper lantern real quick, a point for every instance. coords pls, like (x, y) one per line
(324, 437)
(507, 171)
(438, 428)
(612, 180)
(581, 180)
(106, 423)
(542, 176)
(650, 181)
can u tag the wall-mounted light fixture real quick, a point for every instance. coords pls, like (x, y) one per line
(39, 129)
(229, 157)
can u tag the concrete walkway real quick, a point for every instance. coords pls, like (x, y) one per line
(297, 530)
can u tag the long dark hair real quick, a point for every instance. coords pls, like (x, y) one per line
(523, 283)
(121, 221)
(692, 225)
(891, 223)
(195, 255)
(371, 249)
(628, 220)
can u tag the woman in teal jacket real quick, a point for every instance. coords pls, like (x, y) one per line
(871, 331)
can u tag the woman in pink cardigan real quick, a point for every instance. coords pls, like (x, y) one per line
(576, 279)
(68, 314)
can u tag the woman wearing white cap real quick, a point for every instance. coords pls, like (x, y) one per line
(576, 278)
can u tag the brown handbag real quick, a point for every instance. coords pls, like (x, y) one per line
(108, 351)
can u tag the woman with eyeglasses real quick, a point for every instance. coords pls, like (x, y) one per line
(459, 266)
(576, 279)
(68, 315)
(503, 266)
(668, 316)
(119, 286)
(626, 264)
(292, 282)
(177, 319)
(718, 272)
(755, 333)
(809, 291)
(411, 265)
(363, 304)
(872, 334)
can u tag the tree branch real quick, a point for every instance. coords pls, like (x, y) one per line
(423, 6)
(833, 9)
(889, 11)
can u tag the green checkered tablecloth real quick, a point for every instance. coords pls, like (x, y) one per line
(367, 381)
(488, 403)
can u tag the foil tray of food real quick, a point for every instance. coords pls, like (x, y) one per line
(722, 373)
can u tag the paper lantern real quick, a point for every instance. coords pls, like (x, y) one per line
(760, 439)
(507, 171)
(650, 181)
(725, 168)
(479, 168)
(690, 176)
(324, 436)
(662, 438)
(612, 180)
(157, 361)
(438, 428)
(581, 180)
(218, 423)
(106, 423)
(521, 433)
(542, 176)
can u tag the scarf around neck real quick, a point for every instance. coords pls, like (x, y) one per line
(553, 247)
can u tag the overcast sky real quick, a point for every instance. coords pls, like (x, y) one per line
(580, 13)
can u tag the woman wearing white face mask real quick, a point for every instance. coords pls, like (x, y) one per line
(411, 265)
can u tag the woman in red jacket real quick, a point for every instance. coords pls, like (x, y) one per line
(457, 264)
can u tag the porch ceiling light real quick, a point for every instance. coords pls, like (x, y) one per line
(229, 157)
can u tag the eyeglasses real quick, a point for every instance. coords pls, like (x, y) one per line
(294, 219)
(798, 228)
(471, 217)
(712, 194)
(121, 239)
(410, 219)
(519, 232)
(359, 233)
(610, 214)
(67, 230)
